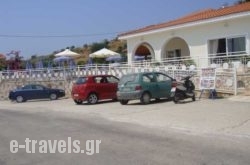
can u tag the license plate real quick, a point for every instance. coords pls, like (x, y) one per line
(76, 95)
(173, 89)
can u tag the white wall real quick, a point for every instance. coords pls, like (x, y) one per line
(196, 37)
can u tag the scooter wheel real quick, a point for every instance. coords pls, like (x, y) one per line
(176, 98)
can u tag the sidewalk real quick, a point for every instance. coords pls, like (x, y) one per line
(240, 98)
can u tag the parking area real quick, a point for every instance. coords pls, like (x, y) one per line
(206, 116)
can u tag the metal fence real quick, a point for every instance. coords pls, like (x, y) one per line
(239, 62)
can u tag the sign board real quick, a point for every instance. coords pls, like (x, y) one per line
(207, 80)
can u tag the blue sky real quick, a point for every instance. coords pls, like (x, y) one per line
(88, 20)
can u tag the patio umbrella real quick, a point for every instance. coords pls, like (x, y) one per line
(114, 58)
(62, 59)
(103, 53)
(67, 53)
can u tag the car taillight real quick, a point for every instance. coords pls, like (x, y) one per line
(138, 88)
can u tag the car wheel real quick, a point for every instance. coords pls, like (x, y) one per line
(53, 96)
(92, 99)
(124, 102)
(145, 98)
(19, 99)
(78, 102)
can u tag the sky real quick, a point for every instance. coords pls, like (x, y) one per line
(40, 27)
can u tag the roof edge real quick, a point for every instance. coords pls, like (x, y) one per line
(192, 18)
(185, 25)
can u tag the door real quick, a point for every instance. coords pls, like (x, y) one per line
(39, 92)
(112, 84)
(149, 84)
(102, 87)
(164, 84)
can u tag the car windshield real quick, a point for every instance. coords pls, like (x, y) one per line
(81, 80)
(27, 87)
(128, 78)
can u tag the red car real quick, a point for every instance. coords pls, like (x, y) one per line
(93, 88)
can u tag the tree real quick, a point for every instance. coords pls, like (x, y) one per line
(85, 46)
(14, 63)
(2, 63)
(242, 1)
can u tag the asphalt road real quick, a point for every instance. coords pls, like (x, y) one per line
(121, 143)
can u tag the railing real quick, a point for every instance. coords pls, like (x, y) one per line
(240, 62)
(182, 63)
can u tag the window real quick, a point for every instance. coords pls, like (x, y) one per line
(27, 87)
(98, 79)
(37, 87)
(174, 53)
(112, 79)
(81, 80)
(236, 45)
(162, 78)
(129, 78)
(148, 78)
(227, 46)
(103, 80)
(178, 53)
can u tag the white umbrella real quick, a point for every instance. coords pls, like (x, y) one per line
(103, 53)
(67, 52)
(114, 58)
(62, 59)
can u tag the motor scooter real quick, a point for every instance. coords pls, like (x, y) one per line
(183, 90)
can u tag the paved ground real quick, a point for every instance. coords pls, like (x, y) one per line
(220, 116)
(207, 132)
(240, 98)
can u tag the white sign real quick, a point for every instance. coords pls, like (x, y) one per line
(207, 80)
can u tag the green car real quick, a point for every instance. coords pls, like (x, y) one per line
(144, 87)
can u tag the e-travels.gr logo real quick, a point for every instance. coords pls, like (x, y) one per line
(56, 146)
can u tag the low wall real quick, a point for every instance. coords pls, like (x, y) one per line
(56, 82)
(243, 83)
(63, 79)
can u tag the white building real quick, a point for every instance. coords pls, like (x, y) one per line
(200, 35)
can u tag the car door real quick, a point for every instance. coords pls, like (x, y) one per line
(101, 87)
(164, 84)
(26, 92)
(112, 85)
(149, 84)
(40, 92)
